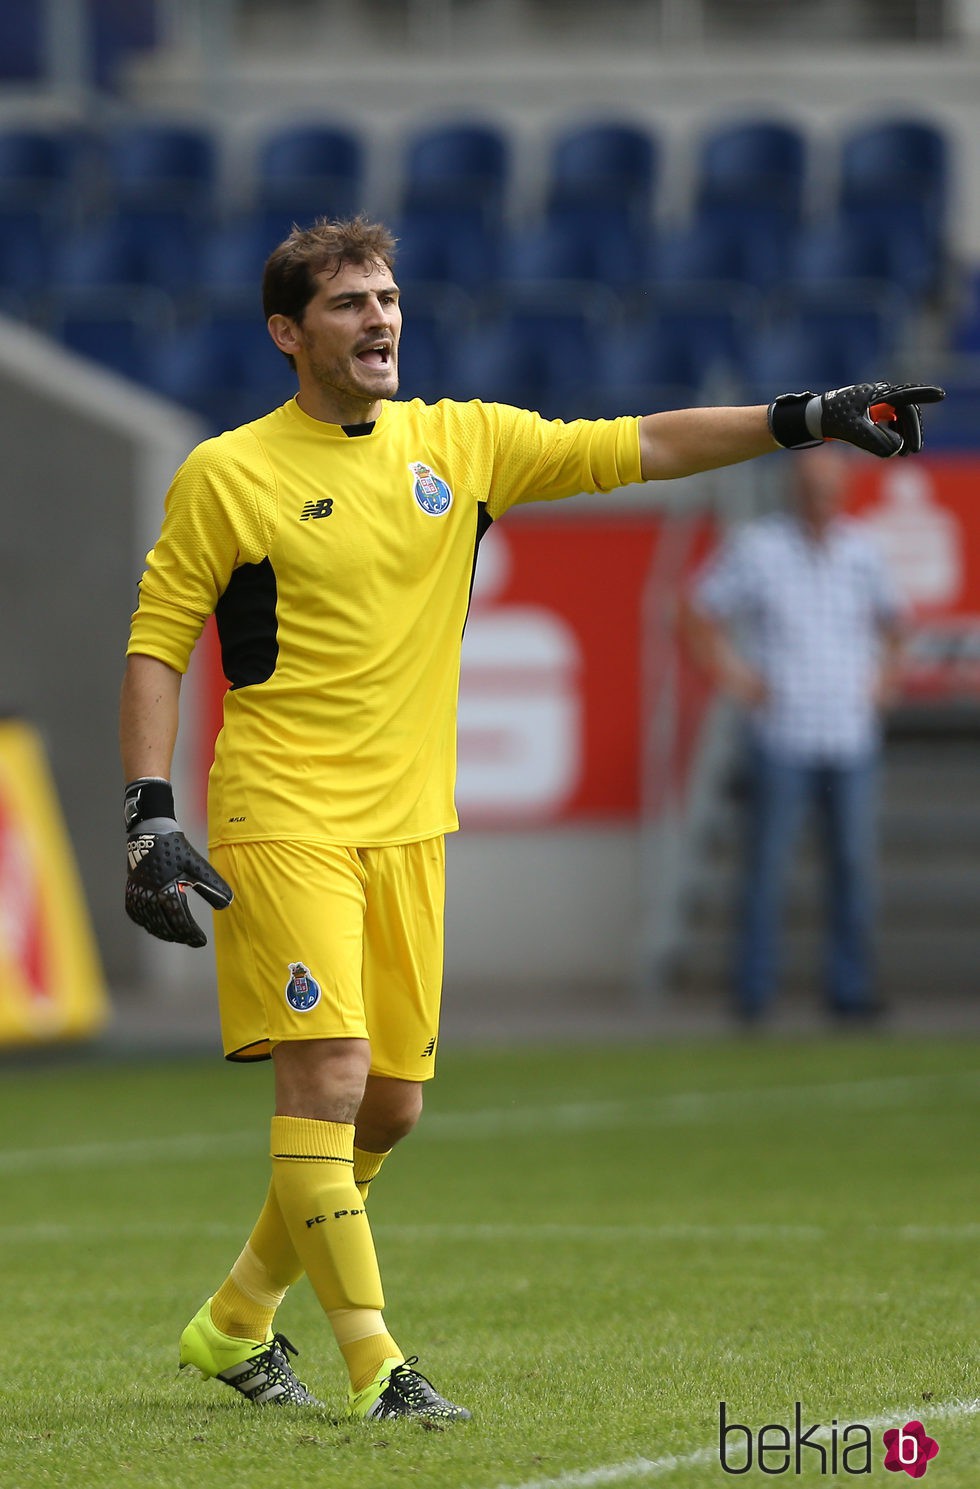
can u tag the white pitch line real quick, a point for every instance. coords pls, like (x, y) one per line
(182, 1146)
(680, 1109)
(550, 1233)
(633, 1470)
(620, 1473)
(687, 1108)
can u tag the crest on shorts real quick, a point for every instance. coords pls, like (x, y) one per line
(302, 989)
(431, 491)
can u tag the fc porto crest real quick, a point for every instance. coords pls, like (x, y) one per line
(431, 491)
(302, 989)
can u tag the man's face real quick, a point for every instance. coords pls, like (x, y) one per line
(348, 337)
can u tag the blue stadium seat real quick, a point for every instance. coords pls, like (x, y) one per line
(158, 248)
(747, 244)
(44, 169)
(310, 170)
(635, 398)
(446, 245)
(188, 366)
(604, 165)
(603, 246)
(834, 251)
(233, 257)
(113, 28)
(759, 162)
(965, 329)
(461, 165)
(100, 256)
(167, 245)
(953, 424)
(823, 340)
(531, 354)
(162, 164)
(224, 366)
(117, 28)
(25, 246)
(893, 188)
(904, 237)
(117, 331)
(895, 159)
(22, 41)
(425, 351)
(690, 339)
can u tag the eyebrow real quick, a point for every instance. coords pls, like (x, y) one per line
(386, 289)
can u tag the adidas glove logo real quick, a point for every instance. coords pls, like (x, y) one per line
(138, 848)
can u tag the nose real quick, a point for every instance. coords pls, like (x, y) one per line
(378, 313)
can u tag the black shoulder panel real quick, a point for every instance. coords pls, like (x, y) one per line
(484, 522)
(246, 617)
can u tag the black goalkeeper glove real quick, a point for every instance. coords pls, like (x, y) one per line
(163, 866)
(882, 418)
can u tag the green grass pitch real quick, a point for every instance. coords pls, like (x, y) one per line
(591, 1248)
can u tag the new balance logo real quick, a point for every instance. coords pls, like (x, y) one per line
(321, 508)
(430, 1049)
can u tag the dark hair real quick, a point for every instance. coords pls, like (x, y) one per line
(288, 281)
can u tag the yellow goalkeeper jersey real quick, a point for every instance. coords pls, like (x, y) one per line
(338, 563)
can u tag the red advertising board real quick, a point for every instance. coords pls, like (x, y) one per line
(553, 656)
(925, 514)
(549, 696)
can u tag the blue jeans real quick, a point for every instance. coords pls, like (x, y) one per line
(844, 796)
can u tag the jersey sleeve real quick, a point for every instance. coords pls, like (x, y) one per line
(220, 513)
(537, 459)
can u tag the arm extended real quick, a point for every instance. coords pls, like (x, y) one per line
(880, 418)
(684, 441)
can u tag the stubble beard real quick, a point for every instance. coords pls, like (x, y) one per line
(340, 380)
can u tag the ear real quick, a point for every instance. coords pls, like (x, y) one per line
(284, 333)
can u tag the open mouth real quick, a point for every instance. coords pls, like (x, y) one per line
(378, 355)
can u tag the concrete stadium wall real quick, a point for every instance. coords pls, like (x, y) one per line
(86, 460)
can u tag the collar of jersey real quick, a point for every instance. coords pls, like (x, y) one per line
(329, 431)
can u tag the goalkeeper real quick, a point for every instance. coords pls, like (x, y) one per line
(334, 540)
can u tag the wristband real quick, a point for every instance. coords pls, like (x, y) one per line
(794, 420)
(148, 798)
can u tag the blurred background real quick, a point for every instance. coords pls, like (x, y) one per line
(650, 204)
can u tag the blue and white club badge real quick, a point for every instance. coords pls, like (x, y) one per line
(302, 989)
(431, 491)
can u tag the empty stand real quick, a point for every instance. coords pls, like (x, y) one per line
(604, 165)
(754, 162)
(462, 165)
(588, 296)
(309, 170)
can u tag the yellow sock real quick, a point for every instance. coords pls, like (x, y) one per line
(246, 1302)
(367, 1166)
(364, 1343)
(313, 1179)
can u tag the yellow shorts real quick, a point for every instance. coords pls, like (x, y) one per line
(326, 942)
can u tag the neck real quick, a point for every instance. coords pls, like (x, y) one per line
(332, 408)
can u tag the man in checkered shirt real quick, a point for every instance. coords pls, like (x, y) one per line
(799, 621)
